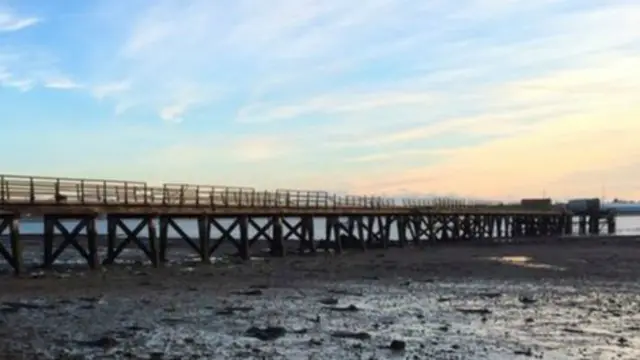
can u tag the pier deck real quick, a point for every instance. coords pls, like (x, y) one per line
(359, 222)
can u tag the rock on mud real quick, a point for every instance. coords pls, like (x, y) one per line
(103, 342)
(329, 301)
(397, 345)
(269, 333)
(250, 292)
(351, 335)
(350, 308)
(478, 311)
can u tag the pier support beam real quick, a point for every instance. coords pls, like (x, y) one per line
(70, 237)
(611, 223)
(582, 225)
(132, 237)
(243, 244)
(355, 231)
(199, 245)
(307, 236)
(277, 240)
(333, 235)
(226, 233)
(10, 225)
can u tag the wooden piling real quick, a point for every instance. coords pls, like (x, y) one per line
(16, 246)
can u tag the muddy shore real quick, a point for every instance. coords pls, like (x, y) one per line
(575, 299)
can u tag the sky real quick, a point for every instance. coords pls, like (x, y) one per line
(486, 99)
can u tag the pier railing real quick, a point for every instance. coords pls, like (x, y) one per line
(38, 190)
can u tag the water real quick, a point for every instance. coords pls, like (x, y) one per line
(626, 225)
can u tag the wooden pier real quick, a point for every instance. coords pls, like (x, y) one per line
(352, 222)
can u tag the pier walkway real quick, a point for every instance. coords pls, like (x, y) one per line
(351, 221)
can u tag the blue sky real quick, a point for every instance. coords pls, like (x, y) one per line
(482, 98)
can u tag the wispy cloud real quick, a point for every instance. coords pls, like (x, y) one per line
(9, 80)
(62, 83)
(9, 21)
(24, 66)
(333, 104)
(112, 88)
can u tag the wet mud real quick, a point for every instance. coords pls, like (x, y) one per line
(563, 301)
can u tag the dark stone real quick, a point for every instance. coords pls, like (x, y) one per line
(135, 328)
(329, 301)
(351, 335)
(481, 311)
(252, 292)
(527, 300)
(103, 342)
(397, 345)
(623, 341)
(350, 308)
(269, 333)
(526, 352)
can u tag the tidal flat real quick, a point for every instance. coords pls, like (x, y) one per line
(573, 300)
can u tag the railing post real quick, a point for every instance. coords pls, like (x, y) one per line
(197, 195)
(2, 199)
(32, 190)
(82, 191)
(126, 193)
(146, 200)
(104, 192)
(56, 187)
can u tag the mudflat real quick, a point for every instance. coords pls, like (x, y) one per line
(564, 299)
